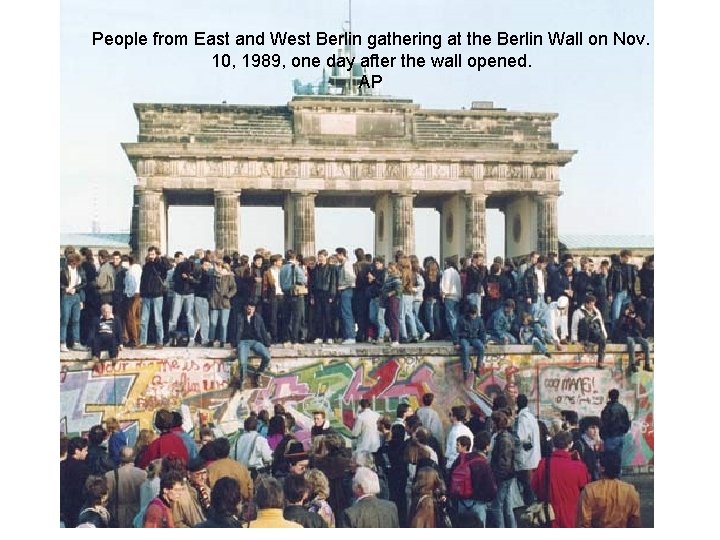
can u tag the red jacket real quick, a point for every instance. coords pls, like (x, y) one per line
(567, 478)
(167, 444)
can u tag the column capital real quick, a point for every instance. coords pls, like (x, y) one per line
(404, 193)
(303, 192)
(227, 192)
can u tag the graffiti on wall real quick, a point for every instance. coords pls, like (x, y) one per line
(133, 389)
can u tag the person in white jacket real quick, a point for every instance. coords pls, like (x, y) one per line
(451, 292)
(458, 414)
(528, 455)
(556, 320)
(365, 429)
(429, 417)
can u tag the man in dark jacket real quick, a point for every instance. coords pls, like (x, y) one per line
(108, 334)
(73, 474)
(502, 464)
(224, 500)
(183, 280)
(369, 511)
(614, 423)
(153, 275)
(484, 489)
(471, 334)
(629, 330)
(72, 284)
(647, 295)
(251, 336)
(296, 493)
(535, 287)
(323, 291)
(98, 459)
(476, 275)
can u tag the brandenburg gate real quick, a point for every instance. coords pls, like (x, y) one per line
(386, 154)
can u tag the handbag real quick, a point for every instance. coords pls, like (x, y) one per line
(540, 514)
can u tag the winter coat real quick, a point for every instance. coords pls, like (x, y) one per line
(469, 328)
(502, 458)
(567, 479)
(614, 420)
(222, 289)
(501, 324)
(152, 278)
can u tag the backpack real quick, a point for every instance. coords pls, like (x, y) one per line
(493, 290)
(461, 485)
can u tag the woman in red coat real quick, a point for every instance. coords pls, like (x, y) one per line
(568, 476)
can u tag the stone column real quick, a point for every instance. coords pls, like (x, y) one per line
(149, 231)
(475, 230)
(227, 224)
(547, 226)
(403, 223)
(304, 222)
(134, 221)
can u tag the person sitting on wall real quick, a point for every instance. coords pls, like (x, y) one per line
(629, 330)
(251, 336)
(587, 326)
(108, 334)
(503, 325)
(471, 334)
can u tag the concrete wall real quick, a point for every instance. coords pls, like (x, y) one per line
(334, 379)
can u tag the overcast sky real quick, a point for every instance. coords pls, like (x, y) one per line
(604, 97)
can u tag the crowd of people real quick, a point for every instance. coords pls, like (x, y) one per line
(222, 300)
(485, 471)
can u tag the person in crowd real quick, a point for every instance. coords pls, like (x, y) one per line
(251, 336)
(502, 462)
(589, 445)
(368, 511)
(600, 290)
(609, 502)
(556, 321)
(293, 283)
(297, 492)
(477, 274)
(528, 453)
(132, 297)
(559, 479)
(270, 502)
(428, 498)
(222, 291)
(482, 488)
(153, 275)
(225, 466)
(471, 335)
(361, 301)
(150, 488)
(198, 486)
(178, 430)
(503, 326)
(98, 459)
(123, 486)
(95, 513)
(273, 299)
(74, 471)
(458, 428)
(451, 293)
(390, 298)
(224, 501)
(587, 327)
(202, 273)
(614, 423)
(319, 492)
(167, 444)
(432, 299)
(159, 514)
(365, 428)
(647, 295)
(629, 330)
(531, 333)
(252, 449)
(430, 418)
(334, 464)
(116, 440)
(323, 291)
(72, 284)
(144, 438)
(346, 280)
(107, 334)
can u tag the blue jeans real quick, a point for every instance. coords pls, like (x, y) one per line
(631, 349)
(418, 322)
(432, 316)
(615, 445)
(70, 312)
(618, 300)
(451, 317)
(502, 506)
(407, 317)
(185, 303)
(465, 345)
(243, 352)
(346, 314)
(377, 315)
(224, 315)
(470, 506)
(156, 305)
(202, 316)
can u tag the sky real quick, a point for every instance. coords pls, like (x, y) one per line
(603, 95)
